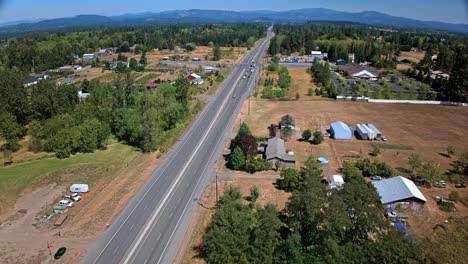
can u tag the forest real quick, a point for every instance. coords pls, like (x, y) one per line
(317, 225)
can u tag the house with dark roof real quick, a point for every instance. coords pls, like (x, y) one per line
(275, 151)
(358, 71)
(399, 192)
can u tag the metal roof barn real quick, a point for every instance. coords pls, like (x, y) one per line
(340, 130)
(399, 191)
(377, 132)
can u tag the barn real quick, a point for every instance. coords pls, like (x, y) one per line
(340, 130)
(399, 191)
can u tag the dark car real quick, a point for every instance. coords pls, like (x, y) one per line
(460, 185)
(60, 252)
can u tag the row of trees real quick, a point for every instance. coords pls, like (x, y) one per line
(317, 225)
(278, 89)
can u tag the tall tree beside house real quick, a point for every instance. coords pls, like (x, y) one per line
(237, 159)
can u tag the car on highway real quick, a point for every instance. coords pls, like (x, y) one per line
(60, 252)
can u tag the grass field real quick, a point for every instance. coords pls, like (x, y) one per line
(87, 168)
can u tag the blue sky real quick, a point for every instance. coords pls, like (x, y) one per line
(453, 11)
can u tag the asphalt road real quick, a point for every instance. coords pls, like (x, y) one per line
(151, 227)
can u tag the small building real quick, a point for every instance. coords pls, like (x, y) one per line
(439, 74)
(105, 52)
(66, 81)
(275, 151)
(402, 60)
(399, 191)
(67, 68)
(358, 71)
(335, 181)
(365, 132)
(209, 69)
(83, 95)
(89, 56)
(35, 79)
(195, 78)
(340, 130)
(316, 54)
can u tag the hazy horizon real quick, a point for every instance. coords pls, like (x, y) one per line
(430, 10)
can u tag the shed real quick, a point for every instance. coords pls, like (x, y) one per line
(335, 181)
(275, 151)
(340, 130)
(399, 191)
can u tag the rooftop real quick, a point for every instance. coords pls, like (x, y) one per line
(396, 189)
(276, 149)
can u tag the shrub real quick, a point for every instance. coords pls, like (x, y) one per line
(375, 150)
(318, 137)
(306, 134)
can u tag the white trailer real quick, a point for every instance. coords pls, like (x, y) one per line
(79, 188)
(377, 132)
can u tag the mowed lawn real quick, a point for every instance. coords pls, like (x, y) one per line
(87, 168)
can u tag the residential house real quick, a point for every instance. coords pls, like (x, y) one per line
(275, 151)
(335, 181)
(35, 79)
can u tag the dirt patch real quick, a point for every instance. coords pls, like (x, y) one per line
(229, 55)
(301, 83)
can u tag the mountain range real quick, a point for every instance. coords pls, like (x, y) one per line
(219, 16)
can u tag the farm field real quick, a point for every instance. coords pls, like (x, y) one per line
(427, 129)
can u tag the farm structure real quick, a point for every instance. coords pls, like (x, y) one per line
(399, 192)
(335, 181)
(368, 131)
(340, 130)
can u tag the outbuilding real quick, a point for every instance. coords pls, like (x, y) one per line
(399, 192)
(365, 132)
(335, 181)
(340, 130)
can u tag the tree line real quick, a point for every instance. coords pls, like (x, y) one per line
(41, 51)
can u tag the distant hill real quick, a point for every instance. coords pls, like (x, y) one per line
(219, 16)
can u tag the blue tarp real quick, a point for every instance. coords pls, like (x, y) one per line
(322, 160)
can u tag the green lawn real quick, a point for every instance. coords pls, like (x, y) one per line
(87, 167)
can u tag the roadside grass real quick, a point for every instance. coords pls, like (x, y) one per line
(390, 146)
(85, 167)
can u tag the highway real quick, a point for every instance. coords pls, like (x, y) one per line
(151, 227)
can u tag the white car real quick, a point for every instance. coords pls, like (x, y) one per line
(76, 197)
(66, 203)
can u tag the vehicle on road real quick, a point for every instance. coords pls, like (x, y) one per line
(60, 252)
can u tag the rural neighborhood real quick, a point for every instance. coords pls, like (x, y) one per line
(207, 136)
